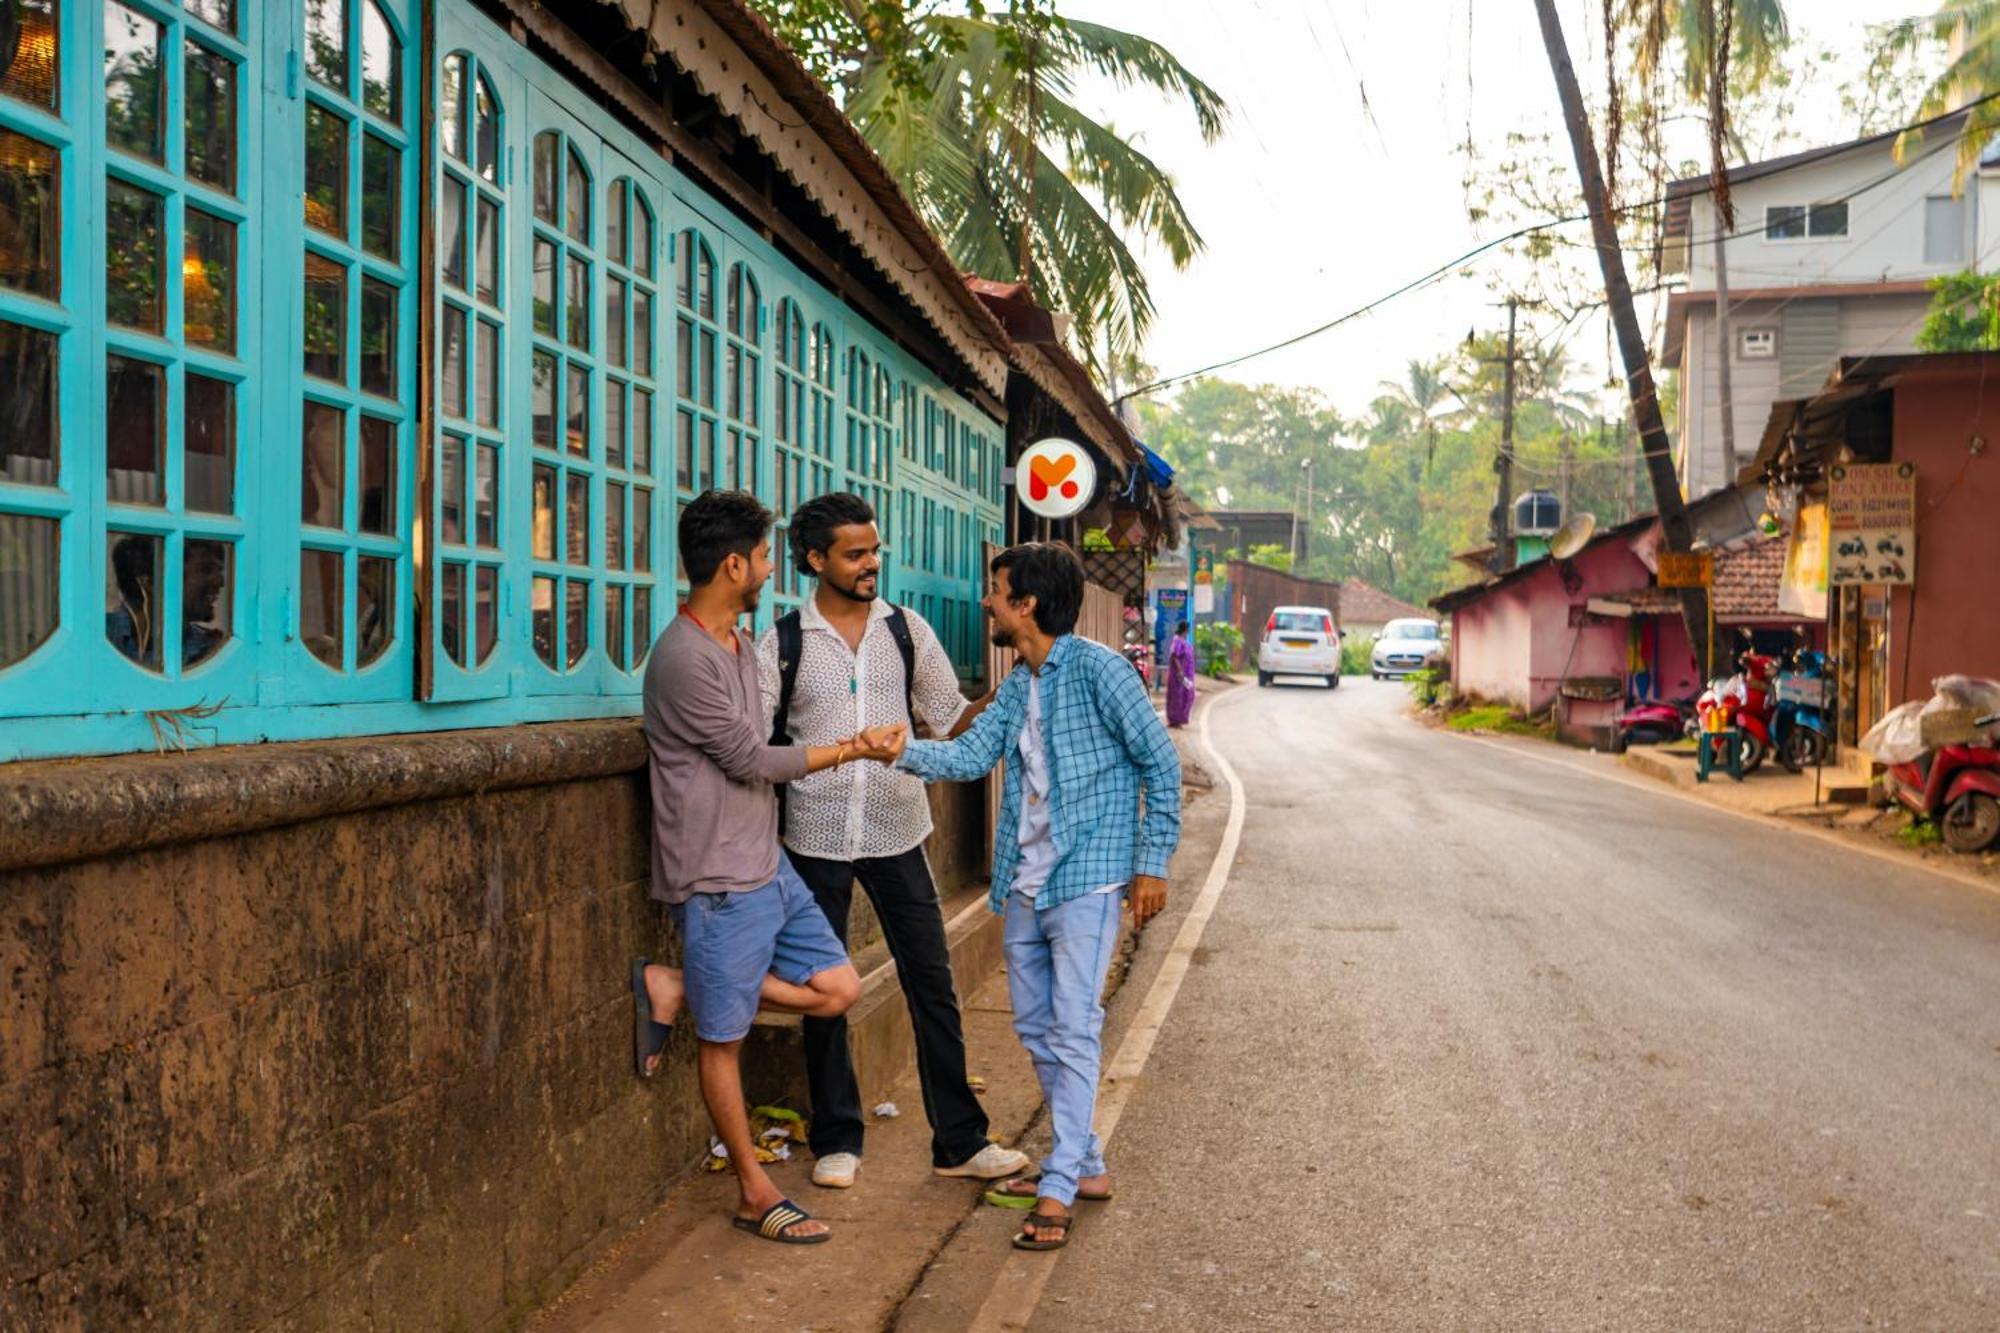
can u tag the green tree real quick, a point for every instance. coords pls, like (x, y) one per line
(972, 110)
(1970, 31)
(1964, 314)
(1272, 556)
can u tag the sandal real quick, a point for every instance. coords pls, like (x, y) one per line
(1020, 1193)
(648, 1037)
(776, 1222)
(1037, 1221)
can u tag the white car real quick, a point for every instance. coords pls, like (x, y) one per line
(1300, 641)
(1406, 646)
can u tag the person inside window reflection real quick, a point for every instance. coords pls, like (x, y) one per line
(130, 625)
(204, 575)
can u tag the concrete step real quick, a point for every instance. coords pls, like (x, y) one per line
(878, 1027)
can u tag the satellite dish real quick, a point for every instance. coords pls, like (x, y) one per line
(1572, 536)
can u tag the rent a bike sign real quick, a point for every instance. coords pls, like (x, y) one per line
(1872, 522)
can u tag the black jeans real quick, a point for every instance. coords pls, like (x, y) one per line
(906, 901)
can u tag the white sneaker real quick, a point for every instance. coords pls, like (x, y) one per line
(992, 1162)
(835, 1171)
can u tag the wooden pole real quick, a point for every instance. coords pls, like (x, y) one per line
(1654, 446)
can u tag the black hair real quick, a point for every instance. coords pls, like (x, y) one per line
(1051, 574)
(715, 526)
(814, 521)
(1183, 628)
(132, 565)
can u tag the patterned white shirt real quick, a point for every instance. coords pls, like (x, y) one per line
(862, 809)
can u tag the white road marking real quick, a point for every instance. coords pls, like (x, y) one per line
(1828, 836)
(1018, 1288)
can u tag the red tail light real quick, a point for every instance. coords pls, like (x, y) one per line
(1327, 621)
(1272, 623)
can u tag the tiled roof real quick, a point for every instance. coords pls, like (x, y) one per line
(1747, 579)
(1364, 604)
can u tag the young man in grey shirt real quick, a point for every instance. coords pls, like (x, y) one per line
(751, 933)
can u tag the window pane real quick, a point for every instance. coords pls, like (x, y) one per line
(576, 296)
(545, 513)
(576, 622)
(486, 375)
(486, 497)
(30, 216)
(543, 604)
(29, 70)
(705, 371)
(544, 408)
(326, 319)
(451, 230)
(576, 518)
(133, 87)
(545, 287)
(614, 224)
(1829, 219)
(642, 624)
(451, 107)
(614, 526)
(207, 595)
(29, 572)
(218, 13)
(326, 42)
(132, 262)
(732, 382)
(488, 132)
(614, 321)
(132, 596)
(374, 609)
(28, 412)
(614, 626)
(378, 476)
(322, 605)
(485, 612)
(451, 490)
(326, 171)
(211, 118)
(378, 337)
(684, 450)
(642, 530)
(684, 361)
(1785, 222)
(642, 332)
(577, 199)
(135, 395)
(208, 280)
(704, 280)
(324, 465)
(451, 612)
(545, 176)
(642, 237)
(381, 198)
(451, 374)
(577, 403)
(208, 454)
(614, 423)
(487, 252)
(381, 65)
(642, 430)
(1944, 230)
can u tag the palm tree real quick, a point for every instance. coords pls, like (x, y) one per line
(975, 117)
(1416, 401)
(1970, 29)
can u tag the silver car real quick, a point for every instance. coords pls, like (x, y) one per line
(1406, 646)
(1299, 641)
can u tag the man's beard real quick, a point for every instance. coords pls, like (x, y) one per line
(1001, 638)
(855, 594)
(752, 596)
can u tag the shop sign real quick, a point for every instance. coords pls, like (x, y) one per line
(1872, 522)
(1803, 590)
(1055, 478)
(1687, 569)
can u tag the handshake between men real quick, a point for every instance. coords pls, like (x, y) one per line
(884, 743)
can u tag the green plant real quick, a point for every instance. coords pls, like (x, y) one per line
(1964, 314)
(1501, 719)
(1271, 555)
(1216, 647)
(1425, 686)
(1356, 656)
(1919, 833)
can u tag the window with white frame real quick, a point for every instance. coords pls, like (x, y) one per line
(1798, 222)
(1944, 230)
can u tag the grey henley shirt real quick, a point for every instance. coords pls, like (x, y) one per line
(715, 815)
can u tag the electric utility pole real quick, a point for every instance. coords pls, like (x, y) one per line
(1658, 453)
(1503, 503)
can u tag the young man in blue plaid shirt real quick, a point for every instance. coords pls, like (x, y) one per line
(1089, 815)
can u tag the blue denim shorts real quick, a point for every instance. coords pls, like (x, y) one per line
(731, 940)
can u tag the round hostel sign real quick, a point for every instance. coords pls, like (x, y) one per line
(1055, 478)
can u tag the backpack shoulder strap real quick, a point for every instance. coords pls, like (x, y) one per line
(791, 646)
(899, 630)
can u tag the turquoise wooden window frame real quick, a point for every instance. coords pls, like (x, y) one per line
(629, 497)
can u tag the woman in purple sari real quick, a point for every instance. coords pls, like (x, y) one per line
(1180, 678)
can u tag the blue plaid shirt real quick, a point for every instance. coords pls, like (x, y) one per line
(1106, 746)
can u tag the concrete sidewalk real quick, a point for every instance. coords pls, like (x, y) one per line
(1770, 790)
(686, 1266)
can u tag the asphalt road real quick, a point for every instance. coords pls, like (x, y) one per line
(1477, 1041)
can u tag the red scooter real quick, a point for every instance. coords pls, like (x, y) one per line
(1956, 787)
(1655, 721)
(1753, 695)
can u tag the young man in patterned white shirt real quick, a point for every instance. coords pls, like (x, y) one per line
(854, 661)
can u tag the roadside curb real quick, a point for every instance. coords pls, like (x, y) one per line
(1642, 761)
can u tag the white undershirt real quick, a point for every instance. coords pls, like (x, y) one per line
(1038, 844)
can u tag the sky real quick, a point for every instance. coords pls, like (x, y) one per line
(1312, 205)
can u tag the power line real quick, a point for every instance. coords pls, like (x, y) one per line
(1442, 270)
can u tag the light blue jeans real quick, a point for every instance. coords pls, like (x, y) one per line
(1056, 960)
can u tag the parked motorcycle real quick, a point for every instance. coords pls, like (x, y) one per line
(1957, 787)
(1748, 697)
(1653, 721)
(1799, 729)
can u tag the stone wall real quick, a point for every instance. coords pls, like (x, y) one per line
(334, 1035)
